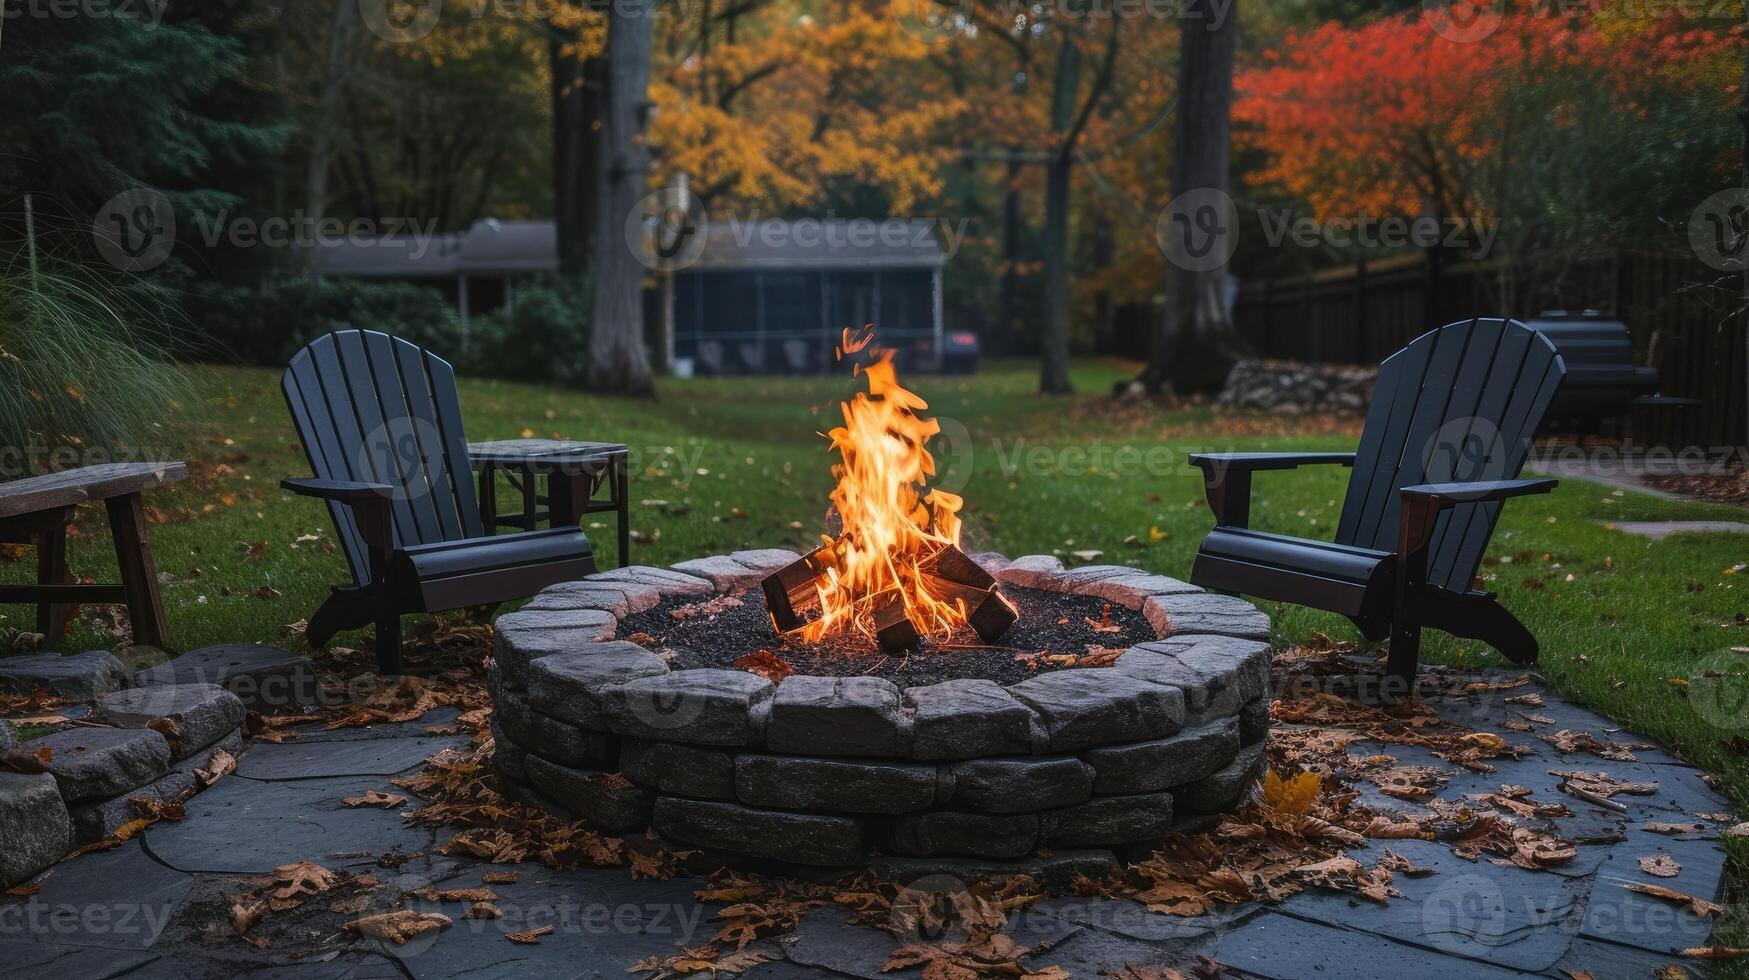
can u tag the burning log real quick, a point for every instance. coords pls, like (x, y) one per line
(950, 576)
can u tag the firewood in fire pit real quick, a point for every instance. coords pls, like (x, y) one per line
(893, 629)
(790, 589)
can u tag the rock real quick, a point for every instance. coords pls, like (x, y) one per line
(766, 560)
(1223, 661)
(1131, 590)
(1292, 388)
(260, 676)
(527, 635)
(7, 739)
(98, 763)
(33, 823)
(1144, 767)
(803, 783)
(1082, 707)
(1205, 612)
(621, 599)
(1224, 789)
(201, 758)
(203, 713)
(1159, 667)
(966, 719)
(609, 802)
(948, 833)
(724, 573)
(1031, 571)
(95, 821)
(679, 770)
(562, 743)
(571, 687)
(835, 716)
(1254, 722)
(990, 561)
(707, 706)
(1107, 821)
(797, 838)
(1019, 785)
(670, 583)
(508, 758)
(81, 676)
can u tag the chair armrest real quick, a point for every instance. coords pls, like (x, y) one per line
(1267, 461)
(1226, 478)
(343, 491)
(1491, 491)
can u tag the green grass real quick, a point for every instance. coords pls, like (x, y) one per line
(721, 464)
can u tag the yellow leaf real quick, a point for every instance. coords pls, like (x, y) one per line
(1290, 797)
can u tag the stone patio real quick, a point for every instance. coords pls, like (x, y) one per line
(157, 906)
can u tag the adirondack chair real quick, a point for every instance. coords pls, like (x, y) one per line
(381, 423)
(1450, 423)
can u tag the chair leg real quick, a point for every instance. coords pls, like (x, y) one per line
(51, 569)
(388, 644)
(139, 575)
(1405, 652)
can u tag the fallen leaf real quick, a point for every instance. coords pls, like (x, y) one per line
(376, 798)
(1660, 865)
(530, 937)
(398, 926)
(1697, 906)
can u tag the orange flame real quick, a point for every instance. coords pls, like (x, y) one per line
(893, 523)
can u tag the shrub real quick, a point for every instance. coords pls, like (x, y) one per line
(543, 336)
(268, 324)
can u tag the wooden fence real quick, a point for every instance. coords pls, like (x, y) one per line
(1683, 316)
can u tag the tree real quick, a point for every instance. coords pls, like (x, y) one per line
(1197, 345)
(618, 363)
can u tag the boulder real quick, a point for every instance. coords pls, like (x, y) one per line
(260, 676)
(99, 763)
(202, 713)
(81, 676)
(34, 825)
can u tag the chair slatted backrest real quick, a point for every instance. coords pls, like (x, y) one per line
(1458, 404)
(377, 409)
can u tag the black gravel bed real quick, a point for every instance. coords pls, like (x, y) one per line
(1051, 622)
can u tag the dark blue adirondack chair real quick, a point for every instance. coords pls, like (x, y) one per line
(381, 424)
(1450, 424)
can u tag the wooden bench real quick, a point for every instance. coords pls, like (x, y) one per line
(37, 510)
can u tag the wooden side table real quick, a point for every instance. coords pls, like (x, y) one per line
(38, 509)
(524, 461)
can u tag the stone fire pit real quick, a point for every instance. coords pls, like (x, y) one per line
(845, 771)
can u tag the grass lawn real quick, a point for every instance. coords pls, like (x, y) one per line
(721, 464)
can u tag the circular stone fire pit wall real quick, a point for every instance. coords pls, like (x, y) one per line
(831, 771)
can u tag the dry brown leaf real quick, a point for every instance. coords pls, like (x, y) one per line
(501, 877)
(1698, 906)
(398, 926)
(529, 938)
(1660, 865)
(219, 765)
(376, 798)
(484, 910)
(1714, 952)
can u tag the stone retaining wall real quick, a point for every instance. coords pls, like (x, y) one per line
(831, 771)
(1293, 388)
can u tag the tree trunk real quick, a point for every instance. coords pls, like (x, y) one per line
(618, 363)
(1197, 345)
(328, 114)
(575, 153)
(1743, 120)
(1009, 301)
(1054, 344)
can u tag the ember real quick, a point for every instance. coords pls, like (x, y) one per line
(895, 572)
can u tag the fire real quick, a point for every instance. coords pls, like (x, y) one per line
(894, 524)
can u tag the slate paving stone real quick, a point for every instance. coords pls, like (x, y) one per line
(33, 825)
(119, 898)
(603, 922)
(261, 676)
(25, 958)
(1282, 947)
(1087, 953)
(435, 718)
(376, 757)
(1631, 919)
(81, 676)
(1506, 916)
(347, 966)
(1132, 919)
(827, 938)
(99, 763)
(1607, 961)
(203, 713)
(242, 826)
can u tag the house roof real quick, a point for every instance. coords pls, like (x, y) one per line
(492, 246)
